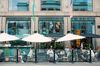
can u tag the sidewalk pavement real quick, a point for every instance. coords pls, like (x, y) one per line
(51, 64)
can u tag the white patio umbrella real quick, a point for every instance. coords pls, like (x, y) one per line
(69, 37)
(37, 38)
(7, 37)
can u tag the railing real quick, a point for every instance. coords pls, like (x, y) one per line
(25, 54)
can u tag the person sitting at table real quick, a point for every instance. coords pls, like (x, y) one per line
(50, 54)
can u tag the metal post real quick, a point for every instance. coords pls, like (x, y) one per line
(90, 60)
(72, 55)
(54, 56)
(16, 55)
(54, 51)
(36, 53)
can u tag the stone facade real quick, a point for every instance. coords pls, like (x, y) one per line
(4, 12)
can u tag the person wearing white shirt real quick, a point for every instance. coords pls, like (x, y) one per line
(50, 54)
(30, 53)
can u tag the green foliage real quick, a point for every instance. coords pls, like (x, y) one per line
(18, 42)
(59, 46)
(7, 52)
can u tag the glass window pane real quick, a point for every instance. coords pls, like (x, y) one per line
(50, 5)
(83, 23)
(18, 5)
(51, 26)
(18, 27)
(82, 5)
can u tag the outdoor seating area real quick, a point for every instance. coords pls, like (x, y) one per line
(39, 31)
(10, 55)
(52, 54)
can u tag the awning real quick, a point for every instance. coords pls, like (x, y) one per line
(88, 35)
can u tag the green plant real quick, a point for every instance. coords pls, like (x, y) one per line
(18, 42)
(59, 46)
(7, 52)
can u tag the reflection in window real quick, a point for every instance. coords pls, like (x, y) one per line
(19, 27)
(50, 5)
(83, 25)
(18, 5)
(82, 5)
(51, 26)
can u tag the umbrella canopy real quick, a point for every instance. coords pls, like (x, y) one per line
(38, 38)
(7, 37)
(69, 36)
(91, 35)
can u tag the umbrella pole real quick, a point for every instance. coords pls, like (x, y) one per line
(35, 52)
